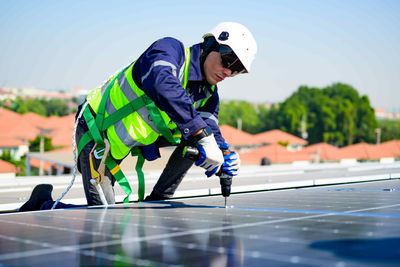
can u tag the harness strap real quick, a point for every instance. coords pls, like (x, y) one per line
(129, 108)
(139, 172)
(85, 139)
(94, 134)
(159, 123)
(100, 114)
(100, 124)
(91, 123)
(135, 105)
(116, 171)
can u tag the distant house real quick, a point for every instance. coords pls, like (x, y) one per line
(16, 130)
(321, 152)
(385, 152)
(14, 134)
(292, 142)
(239, 139)
(272, 154)
(16, 147)
(7, 169)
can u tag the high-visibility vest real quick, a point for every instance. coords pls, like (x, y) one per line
(130, 119)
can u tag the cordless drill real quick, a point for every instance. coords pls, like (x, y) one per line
(225, 180)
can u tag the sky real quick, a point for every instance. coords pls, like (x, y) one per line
(69, 44)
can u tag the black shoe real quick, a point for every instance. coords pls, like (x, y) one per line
(40, 194)
(155, 197)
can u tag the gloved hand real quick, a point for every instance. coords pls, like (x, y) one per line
(211, 157)
(231, 163)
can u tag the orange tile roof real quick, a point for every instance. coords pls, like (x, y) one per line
(22, 130)
(392, 147)
(34, 119)
(8, 114)
(36, 163)
(277, 136)
(364, 151)
(325, 151)
(6, 167)
(61, 137)
(275, 153)
(11, 142)
(237, 137)
(16, 128)
(356, 151)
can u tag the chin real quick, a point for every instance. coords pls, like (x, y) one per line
(211, 81)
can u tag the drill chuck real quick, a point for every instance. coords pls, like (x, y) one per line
(225, 181)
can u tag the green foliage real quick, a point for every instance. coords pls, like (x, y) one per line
(6, 156)
(41, 106)
(390, 129)
(336, 114)
(22, 106)
(34, 145)
(232, 111)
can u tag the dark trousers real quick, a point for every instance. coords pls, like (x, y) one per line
(172, 175)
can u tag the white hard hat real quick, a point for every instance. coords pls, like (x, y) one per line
(238, 38)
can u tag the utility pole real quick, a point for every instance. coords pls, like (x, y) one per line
(239, 123)
(378, 132)
(41, 150)
(43, 132)
(303, 127)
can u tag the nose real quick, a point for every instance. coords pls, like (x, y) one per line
(227, 72)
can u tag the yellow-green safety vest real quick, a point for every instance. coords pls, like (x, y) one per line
(130, 119)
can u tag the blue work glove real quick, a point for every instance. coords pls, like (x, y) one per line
(211, 157)
(231, 163)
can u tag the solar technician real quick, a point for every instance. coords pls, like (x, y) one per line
(167, 97)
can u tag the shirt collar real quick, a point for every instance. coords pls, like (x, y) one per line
(195, 67)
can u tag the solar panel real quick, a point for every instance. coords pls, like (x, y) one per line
(345, 225)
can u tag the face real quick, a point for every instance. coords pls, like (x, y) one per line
(214, 70)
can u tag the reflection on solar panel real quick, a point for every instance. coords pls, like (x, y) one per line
(346, 225)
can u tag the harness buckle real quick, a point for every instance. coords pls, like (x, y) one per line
(98, 154)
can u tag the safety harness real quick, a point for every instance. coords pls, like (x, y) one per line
(97, 126)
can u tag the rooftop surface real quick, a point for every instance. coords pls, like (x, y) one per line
(318, 224)
(345, 225)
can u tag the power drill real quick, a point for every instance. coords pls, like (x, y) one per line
(225, 180)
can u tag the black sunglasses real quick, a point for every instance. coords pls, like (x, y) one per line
(230, 60)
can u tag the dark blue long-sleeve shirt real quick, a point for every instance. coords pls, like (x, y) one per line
(158, 71)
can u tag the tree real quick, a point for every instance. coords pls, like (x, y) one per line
(57, 107)
(390, 129)
(41, 106)
(233, 111)
(366, 122)
(267, 118)
(335, 114)
(22, 106)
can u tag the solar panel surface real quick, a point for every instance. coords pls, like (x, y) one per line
(344, 225)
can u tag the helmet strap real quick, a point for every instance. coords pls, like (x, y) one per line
(207, 46)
